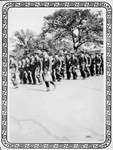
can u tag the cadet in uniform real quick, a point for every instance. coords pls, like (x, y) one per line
(38, 68)
(62, 70)
(53, 68)
(88, 64)
(98, 63)
(82, 63)
(28, 70)
(24, 73)
(102, 64)
(20, 71)
(74, 63)
(46, 66)
(68, 65)
(57, 68)
(13, 66)
(33, 67)
(92, 66)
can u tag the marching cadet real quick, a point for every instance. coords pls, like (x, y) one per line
(46, 66)
(92, 66)
(20, 69)
(102, 64)
(28, 70)
(74, 63)
(33, 67)
(62, 70)
(88, 64)
(68, 65)
(82, 63)
(53, 68)
(38, 68)
(13, 66)
(24, 73)
(57, 68)
(98, 63)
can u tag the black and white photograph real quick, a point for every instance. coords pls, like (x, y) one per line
(56, 92)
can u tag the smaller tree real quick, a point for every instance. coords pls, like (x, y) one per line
(23, 41)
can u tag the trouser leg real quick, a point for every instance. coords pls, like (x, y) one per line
(58, 76)
(29, 77)
(53, 76)
(24, 78)
(20, 76)
(102, 69)
(87, 71)
(33, 76)
(68, 75)
(74, 75)
(47, 84)
(52, 83)
(97, 70)
(62, 73)
(38, 74)
(13, 79)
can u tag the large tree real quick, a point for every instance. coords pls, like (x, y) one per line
(64, 23)
(23, 41)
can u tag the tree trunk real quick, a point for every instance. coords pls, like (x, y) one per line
(73, 39)
(76, 47)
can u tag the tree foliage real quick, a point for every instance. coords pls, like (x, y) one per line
(63, 22)
(23, 41)
(58, 32)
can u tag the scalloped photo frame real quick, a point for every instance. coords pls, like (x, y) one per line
(108, 98)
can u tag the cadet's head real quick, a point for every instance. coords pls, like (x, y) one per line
(68, 56)
(56, 56)
(36, 55)
(102, 54)
(32, 56)
(96, 54)
(87, 54)
(11, 57)
(82, 54)
(72, 55)
(45, 54)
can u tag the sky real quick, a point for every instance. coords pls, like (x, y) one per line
(28, 18)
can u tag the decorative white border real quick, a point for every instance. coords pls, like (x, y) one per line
(68, 4)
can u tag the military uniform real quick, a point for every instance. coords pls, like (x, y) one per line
(46, 66)
(33, 67)
(88, 64)
(98, 63)
(102, 64)
(92, 66)
(82, 63)
(24, 72)
(38, 68)
(58, 69)
(28, 70)
(62, 71)
(53, 70)
(74, 63)
(13, 66)
(68, 65)
(20, 69)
